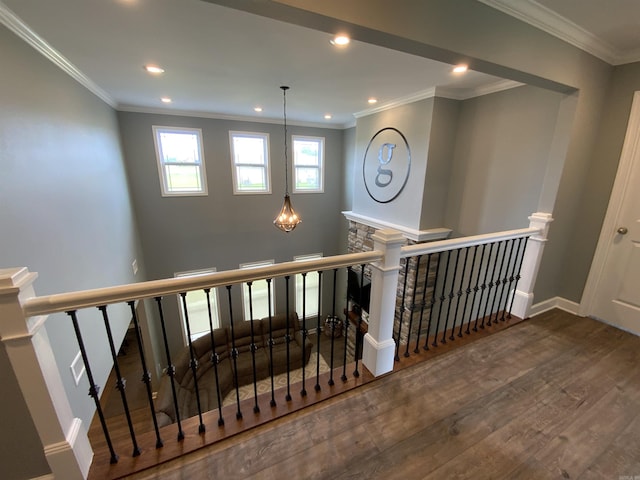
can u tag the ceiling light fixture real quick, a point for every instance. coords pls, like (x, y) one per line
(340, 40)
(327, 117)
(460, 68)
(166, 100)
(287, 219)
(257, 109)
(372, 101)
(156, 70)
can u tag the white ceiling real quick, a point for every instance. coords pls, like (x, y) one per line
(223, 62)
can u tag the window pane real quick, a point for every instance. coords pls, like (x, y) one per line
(183, 178)
(199, 313)
(248, 150)
(260, 300)
(179, 147)
(307, 178)
(311, 295)
(250, 178)
(306, 152)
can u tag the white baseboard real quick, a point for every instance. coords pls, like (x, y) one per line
(49, 476)
(555, 302)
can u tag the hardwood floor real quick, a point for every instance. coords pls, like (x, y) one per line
(557, 396)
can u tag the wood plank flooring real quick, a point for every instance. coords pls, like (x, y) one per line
(557, 396)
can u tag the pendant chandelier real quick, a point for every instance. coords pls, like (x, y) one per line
(287, 218)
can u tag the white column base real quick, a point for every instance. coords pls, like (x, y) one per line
(378, 356)
(71, 458)
(522, 303)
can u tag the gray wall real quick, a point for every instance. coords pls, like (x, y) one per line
(65, 213)
(501, 154)
(222, 230)
(414, 121)
(492, 42)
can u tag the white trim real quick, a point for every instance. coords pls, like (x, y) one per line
(24, 31)
(442, 92)
(554, 24)
(77, 368)
(410, 233)
(629, 149)
(555, 302)
(48, 476)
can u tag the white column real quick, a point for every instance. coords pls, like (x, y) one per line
(531, 264)
(379, 346)
(64, 438)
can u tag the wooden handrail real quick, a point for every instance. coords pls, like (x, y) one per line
(64, 302)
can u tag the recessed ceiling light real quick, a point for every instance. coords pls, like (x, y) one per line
(460, 68)
(166, 100)
(156, 70)
(327, 117)
(340, 40)
(372, 101)
(258, 109)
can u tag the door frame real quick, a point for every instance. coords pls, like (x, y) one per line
(630, 150)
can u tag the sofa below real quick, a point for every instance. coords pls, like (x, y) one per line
(227, 368)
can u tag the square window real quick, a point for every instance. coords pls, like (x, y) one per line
(308, 164)
(250, 162)
(180, 161)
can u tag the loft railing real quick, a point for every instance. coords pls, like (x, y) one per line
(64, 437)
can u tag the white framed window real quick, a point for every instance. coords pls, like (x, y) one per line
(180, 161)
(259, 294)
(308, 164)
(312, 285)
(197, 308)
(250, 162)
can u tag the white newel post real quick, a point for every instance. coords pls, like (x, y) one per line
(379, 346)
(530, 264)
(64, 438)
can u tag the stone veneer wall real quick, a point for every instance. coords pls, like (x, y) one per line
(416, 295)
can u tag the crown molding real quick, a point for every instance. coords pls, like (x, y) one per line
(550, 22)
(221, 116)
(22, 30)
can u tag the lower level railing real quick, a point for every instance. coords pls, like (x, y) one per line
(421, 297)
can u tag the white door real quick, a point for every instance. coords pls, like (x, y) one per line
(616, 269)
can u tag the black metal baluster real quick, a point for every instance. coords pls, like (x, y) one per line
(413, 304)
(93, 387)
(433, 301)
(273, 395)
(442, 299)
(475, 290)
(491, 284)
(402, 308)
(451, 296)
(215, 358)
(483, 287)
(193, 362)
(287, 339)
(505, 279)
(234, 354)
(333, 325)
(423, 303)
(517, 279)
(253, 348)
(468, 291)
(171, 369)
(303, 392)
(318, 332)
(146, 376)
(497, 282)
(358, 335)
(345, 332)
(459, 294)
(121, 383)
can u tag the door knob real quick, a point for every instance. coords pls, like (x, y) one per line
(622, 230)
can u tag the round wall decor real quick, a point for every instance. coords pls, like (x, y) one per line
(386, 165)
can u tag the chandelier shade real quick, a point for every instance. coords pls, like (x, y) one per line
(287, 219)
